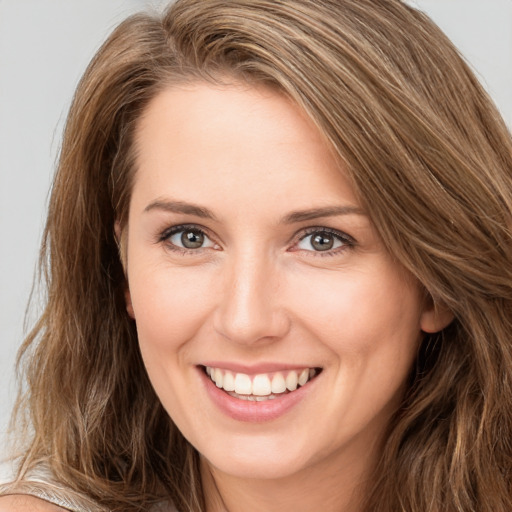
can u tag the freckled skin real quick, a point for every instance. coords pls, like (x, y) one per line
(259, 291)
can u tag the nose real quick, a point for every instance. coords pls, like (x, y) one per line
(251, 308)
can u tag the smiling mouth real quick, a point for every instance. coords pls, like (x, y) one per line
(263, 386)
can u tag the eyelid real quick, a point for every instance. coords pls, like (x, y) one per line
(348, 241)
(165, 235)
(171, 230)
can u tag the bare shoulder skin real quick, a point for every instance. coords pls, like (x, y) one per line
(25, 503)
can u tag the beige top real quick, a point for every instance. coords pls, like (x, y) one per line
(41, 484)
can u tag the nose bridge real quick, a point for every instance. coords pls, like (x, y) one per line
(250, 308)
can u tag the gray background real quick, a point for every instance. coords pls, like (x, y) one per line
(45, 46)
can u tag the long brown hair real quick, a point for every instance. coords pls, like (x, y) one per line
(431, 160)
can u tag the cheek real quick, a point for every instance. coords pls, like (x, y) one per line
(170, 305)
(370, 322)
(170, 308)
(359, 311)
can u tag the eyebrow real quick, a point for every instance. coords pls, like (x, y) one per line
(180, 207)
(316, 213)
(291, 218)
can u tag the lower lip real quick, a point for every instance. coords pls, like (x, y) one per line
(251, 411)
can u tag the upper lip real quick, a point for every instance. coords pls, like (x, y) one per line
(253, 369)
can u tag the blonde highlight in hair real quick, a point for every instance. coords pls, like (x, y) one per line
(431, 160)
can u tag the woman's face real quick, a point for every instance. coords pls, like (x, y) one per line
(250, 258)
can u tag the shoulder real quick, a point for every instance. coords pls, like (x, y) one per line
(26, 503)
(39, 491)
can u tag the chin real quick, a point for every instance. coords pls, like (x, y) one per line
(256, 458)
(246, 466)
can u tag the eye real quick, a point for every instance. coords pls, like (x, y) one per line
(324, 240)
(188, 238)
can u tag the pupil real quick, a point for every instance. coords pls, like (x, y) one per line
(322, 242)
(192, 239)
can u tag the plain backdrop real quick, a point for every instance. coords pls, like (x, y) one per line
(44, 47)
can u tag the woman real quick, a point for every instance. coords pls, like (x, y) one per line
(279, 271)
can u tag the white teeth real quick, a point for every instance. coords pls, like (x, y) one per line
(303, 377)
(253, 398)
(278, 383)
(229, 382)
(292, 381)
(243, 384)
(217, 377)
(262, 386)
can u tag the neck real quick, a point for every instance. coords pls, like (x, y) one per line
(328, 486)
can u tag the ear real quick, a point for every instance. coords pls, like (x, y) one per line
(435, 317)
(121, 244)
(128, 300)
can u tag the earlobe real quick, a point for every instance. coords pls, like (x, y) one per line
(128, 300)
(435, 317)
(117, 231)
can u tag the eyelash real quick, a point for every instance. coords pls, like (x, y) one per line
(346, 240)
(168, 233)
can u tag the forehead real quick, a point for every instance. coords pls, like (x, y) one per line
(206, 142)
